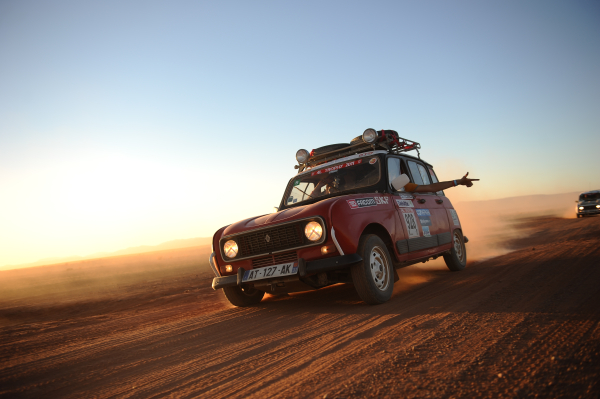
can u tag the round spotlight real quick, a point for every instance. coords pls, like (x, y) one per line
(231, 249)
(369, 136)
(313, 231)
(301, 156)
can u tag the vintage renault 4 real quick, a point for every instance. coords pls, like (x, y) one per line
(345, 217)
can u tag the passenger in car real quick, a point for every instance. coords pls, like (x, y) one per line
(433, 187)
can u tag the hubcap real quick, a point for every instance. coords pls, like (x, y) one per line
(380, 269)
(458, 248)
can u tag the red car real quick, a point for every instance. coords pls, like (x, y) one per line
(344, 218)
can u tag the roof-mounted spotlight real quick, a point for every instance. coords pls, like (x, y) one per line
(302, 156)
(369, 136)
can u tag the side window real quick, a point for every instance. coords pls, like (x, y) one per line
(393, 170)
(416, 174)
(434, 179)
(424, 174)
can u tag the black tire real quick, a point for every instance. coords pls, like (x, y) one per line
(243, 296)
(328, 148)
(373, 278)
(457, 259)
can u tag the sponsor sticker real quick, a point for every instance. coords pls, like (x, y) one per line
(372, 161)
(290, 199)
(336, 167)
(402, 203)
(454, 217)
(426, 231)
(410, 222)
(382, 200)
(296, 182)
(424, 217)
(366, 202)
(406, 196)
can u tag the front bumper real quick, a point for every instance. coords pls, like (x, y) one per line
(304, 269)
(588, 211)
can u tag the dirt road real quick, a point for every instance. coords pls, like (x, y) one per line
(526, 324)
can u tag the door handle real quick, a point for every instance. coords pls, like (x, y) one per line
(421, 201)
(439, 201)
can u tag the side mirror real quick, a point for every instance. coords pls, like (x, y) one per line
(400, 182)
(275, 209)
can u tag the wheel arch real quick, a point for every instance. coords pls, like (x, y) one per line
(381, 232)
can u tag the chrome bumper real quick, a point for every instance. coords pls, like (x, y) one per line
(304, 269)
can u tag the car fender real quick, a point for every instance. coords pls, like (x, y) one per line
(350, 220)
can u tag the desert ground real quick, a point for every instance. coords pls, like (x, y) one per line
(522, 324)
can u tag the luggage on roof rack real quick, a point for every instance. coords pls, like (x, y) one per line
(387, 140)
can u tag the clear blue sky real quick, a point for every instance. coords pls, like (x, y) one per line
(127, 123)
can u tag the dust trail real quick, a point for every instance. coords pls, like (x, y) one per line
(490, 224)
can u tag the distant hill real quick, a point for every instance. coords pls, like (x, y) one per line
(174, 244)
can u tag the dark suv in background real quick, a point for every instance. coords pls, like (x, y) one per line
(588, 204)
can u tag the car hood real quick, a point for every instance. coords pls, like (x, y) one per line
(320, 208)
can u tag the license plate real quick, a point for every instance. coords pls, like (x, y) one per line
(285, 269)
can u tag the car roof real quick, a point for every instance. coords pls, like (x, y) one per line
(591, 192)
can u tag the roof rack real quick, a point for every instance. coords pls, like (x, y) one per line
(387, 140)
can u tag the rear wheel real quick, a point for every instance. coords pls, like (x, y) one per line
(457, 259)
(243, 296)
(373, 278)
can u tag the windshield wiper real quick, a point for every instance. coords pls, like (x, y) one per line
(303, 192)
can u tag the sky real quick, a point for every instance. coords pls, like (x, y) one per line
(126, 123)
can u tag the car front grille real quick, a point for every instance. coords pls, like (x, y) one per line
(270, 240)
(274, 259)
(264, 242)
(589, 207)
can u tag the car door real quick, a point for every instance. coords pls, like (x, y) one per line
(427, 210)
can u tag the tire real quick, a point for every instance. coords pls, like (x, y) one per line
(241, 297)
(373, 277)
(328, 148)
(457, 259)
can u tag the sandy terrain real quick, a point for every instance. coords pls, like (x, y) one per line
(524, 324)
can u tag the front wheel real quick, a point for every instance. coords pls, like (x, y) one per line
(457, 259)
(243, 296)
(373, 277)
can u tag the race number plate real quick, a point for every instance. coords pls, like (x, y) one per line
(285, 269)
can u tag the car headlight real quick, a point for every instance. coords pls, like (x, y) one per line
(313, 231)
(598, 206)
(231, 249)
(580, 208)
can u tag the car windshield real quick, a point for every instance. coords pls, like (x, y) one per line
(334, 179)
(589, 197)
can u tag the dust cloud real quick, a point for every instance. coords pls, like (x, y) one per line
(490, 224)
(99, 279)
(494, 228)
